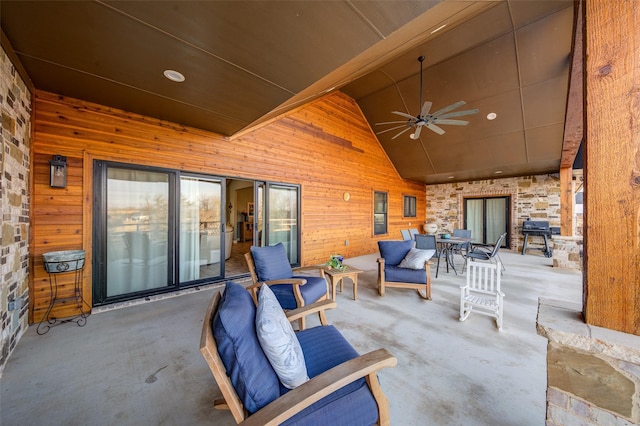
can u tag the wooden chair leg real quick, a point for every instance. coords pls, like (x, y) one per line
(381, 399)
(323, 318)
(220, 404)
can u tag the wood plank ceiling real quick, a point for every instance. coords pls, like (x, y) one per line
(248, 61)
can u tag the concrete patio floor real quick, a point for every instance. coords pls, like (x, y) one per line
(140, 364)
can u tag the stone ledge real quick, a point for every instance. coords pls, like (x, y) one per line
(562, 322)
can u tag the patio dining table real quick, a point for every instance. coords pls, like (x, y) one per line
(447, 247)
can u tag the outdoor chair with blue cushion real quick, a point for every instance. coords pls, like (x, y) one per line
(270, 265)
(244, 347)
(404, 266)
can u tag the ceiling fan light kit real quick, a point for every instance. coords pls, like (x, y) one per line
(425, 119)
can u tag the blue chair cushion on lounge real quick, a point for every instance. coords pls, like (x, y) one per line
(404, 275)
(271, 262)
(394, 251)
(324, 347)
(247, 366)
(314, 289)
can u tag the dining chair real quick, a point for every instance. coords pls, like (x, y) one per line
(487, 253)
(405, 234)
(461, 248)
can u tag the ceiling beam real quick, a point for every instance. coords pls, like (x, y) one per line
(574, 122)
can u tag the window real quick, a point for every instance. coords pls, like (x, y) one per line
(379, 213)
(409, 206)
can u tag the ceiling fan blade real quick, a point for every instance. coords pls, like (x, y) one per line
(394, 122)
(435, 128)
(408, 128)
(449, 108)
(415, 135)
(451, 122)
(403, 114)
(392, 128)
(459, 113)
(425, 108)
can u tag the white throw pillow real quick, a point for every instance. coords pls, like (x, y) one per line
(279, 341)
(415, 258)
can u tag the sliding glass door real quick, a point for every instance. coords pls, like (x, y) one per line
(487, 218)
(155, 230)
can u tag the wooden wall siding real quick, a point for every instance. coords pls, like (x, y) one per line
(326, 147)
(56, 224)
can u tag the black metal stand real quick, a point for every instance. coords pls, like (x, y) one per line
(547, 251)
(54, 269)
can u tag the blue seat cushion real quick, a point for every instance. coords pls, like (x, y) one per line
(324, 348)
(314, 289)
(247, 366)
(271, 262)
(394, 251)
(404, 275)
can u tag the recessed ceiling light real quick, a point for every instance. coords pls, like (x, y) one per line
(451, 177)
(491, 116)
(439, 28)
(498, 172)
(174, 75)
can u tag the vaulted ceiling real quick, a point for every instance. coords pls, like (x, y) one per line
(248, 61)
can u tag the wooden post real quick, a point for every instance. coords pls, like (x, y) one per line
(612, 165)
(566, 201)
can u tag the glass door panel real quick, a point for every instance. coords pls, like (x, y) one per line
(282, 216)
(201, 240)
(496, 219)
(475, 219)
(137, 227)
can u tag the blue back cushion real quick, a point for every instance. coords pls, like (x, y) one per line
(247, 366)
(394, 251)
(271, 262)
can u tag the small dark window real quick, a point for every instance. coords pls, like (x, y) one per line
(409, 206)
(379, 213)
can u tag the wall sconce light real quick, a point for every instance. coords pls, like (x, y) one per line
(58, 178)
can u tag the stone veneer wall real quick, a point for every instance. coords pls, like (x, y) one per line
(593, 373)
(535, 197)
(15, 106)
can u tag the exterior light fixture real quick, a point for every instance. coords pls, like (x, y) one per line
(491, 116)
(58, 178)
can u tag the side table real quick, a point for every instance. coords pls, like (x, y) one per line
(337, 277)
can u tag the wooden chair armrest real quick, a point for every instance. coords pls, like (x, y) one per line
(380, 260)
(312, 308)
(309, 268)
(294, 281)
(319, 268)
(320, 386)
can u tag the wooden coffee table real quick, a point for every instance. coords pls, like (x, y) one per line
(337, 277)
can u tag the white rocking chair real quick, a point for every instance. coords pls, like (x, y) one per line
(482, 292)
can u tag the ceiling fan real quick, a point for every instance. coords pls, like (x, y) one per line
(424, 119)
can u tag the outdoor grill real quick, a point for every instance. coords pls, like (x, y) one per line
(538, 228)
